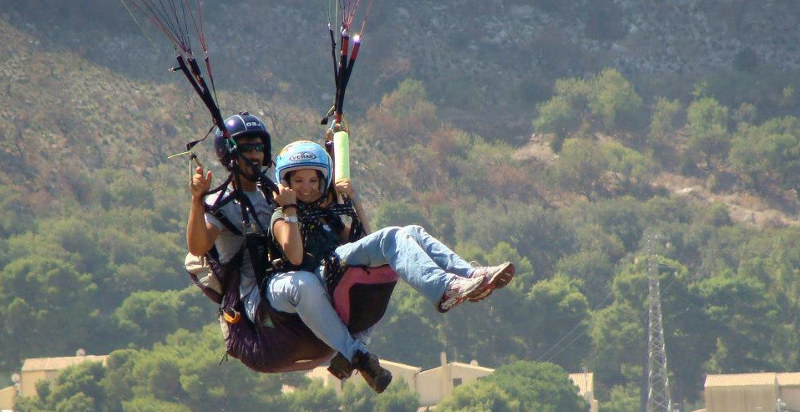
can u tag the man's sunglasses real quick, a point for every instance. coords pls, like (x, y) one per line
(249, 147)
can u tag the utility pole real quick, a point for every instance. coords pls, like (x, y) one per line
(657, 380)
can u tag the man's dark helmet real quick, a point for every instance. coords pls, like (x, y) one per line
(239, 126)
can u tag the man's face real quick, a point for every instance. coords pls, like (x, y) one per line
(251, 148)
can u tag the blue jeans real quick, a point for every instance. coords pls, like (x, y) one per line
(305, 294)
(418, 258)
(421, 260)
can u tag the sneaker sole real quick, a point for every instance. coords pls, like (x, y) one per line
(499, 280)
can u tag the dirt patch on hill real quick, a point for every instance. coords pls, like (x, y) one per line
(744, 208)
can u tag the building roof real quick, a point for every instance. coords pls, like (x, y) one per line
(401, 366)
(584, 381)
(788, 379)
(54, 364)
(473, 366)
(742, 379)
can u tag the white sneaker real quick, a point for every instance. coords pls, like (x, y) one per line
(494, 277)
(458, 290)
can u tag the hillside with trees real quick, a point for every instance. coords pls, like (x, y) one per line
(561, 161)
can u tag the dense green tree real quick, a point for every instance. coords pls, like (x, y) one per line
(403, 114)
(614, 101)
(358, 397)
(410, 330)
(620, 219)
(618, 345)
(664, 124)
(533, 231)
(558, 314)
(150, 404)
(742, 321)
(398, 214)
(481, 396)
(186, 370)
(769, 153)
(566, 112)
(312, 398)
(591, 236)
(118, 382)
(76, 389)
(14, 218)
(148, 317)
(632, 171)
(556, 117)
(593, 272)
(596, 169)
(622, 399)
(43, 294)
(707, 122)
(520, 386)
(581, 167)
(77, 243)
(398, 397)
(82, 380)
(606, 101)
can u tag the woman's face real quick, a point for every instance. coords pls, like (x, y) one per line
(305, 183)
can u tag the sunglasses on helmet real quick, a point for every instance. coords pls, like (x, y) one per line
(248, 147)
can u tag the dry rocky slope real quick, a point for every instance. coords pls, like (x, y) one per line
(485, 63)
(490, 57)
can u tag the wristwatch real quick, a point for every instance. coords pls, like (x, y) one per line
(290, 219)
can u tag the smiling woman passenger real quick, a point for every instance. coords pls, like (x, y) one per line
(303, 170)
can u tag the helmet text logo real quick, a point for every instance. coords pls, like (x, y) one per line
(303, 156)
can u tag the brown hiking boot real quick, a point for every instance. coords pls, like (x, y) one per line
(370, 368)
(494, 277)
(340, 367)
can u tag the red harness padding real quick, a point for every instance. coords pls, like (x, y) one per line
(281, 342)
(362, 295)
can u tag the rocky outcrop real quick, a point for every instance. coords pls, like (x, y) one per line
(476, 57)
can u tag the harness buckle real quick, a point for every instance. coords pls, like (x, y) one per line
(249, 227)
(231, 315)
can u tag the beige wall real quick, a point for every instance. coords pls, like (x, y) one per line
(791, 396)
(404, 372)
(429, 386)
(7, 396)
(585, 383)
(28, 381)
(740, 399)
(433, 385)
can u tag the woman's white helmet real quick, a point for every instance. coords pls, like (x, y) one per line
(303, 154)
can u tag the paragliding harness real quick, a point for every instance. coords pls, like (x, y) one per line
(359, 293)
(276, 341)
(273, 341)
